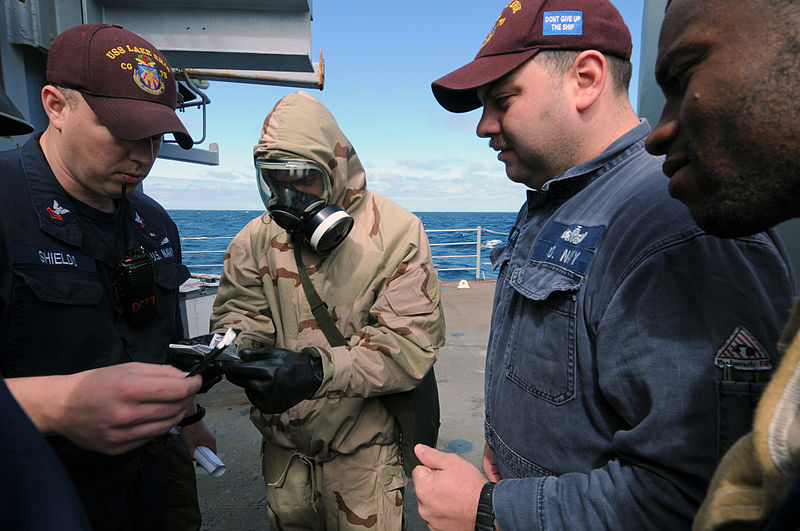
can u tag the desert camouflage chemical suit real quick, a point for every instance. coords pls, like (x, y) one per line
(333, 460)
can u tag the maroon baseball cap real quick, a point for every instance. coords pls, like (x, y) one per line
(523, 29)
(125, 80)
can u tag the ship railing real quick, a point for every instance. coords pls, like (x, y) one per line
(479, 244)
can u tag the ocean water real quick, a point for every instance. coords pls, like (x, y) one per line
(454, 251)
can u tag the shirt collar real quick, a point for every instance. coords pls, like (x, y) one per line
(568, 183)
(55, 208)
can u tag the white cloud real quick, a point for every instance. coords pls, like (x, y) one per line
(433, 186)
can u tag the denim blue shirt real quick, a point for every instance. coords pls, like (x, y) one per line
(627, 348)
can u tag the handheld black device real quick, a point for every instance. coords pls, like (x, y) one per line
(136, 288)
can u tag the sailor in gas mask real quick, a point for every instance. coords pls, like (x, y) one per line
(318, 372)
(296, 192)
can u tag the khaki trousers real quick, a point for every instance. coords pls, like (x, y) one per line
(350, 492)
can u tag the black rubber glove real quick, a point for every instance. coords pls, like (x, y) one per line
(186, 359)
(276, 379)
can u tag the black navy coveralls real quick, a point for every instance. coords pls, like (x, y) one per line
(59, 312)
(31, 473)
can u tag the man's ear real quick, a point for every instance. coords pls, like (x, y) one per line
(55, 105)
(590, 73)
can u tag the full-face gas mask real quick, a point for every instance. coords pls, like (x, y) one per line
(296, 193)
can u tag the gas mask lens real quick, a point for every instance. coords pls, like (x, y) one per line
(296, 195)
(290, 182)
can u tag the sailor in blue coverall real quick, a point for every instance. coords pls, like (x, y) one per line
(627, 350)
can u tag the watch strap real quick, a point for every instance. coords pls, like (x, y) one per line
(484, 519)
(194, 417)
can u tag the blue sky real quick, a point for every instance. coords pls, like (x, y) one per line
(380, 58)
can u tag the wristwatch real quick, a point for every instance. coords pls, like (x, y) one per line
(484, 520)
(194, 417)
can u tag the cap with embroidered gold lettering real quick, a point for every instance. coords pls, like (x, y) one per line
(124, 79)
(523, 29)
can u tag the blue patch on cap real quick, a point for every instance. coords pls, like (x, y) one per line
(563, 23)
(571, 247)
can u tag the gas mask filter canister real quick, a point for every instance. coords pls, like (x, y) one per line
(296, 195)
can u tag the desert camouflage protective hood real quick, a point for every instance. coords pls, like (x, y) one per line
(300, 127)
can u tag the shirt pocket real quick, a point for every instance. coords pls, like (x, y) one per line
(542, 343)
(736, 406)
(63, 288)
(50, 308)
(170, 276)
(408, 293)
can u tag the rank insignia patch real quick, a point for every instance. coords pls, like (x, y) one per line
(56, 213)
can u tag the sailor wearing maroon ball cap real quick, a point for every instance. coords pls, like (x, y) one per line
(87, 366)
(621, 362)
